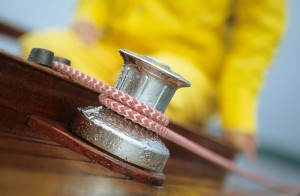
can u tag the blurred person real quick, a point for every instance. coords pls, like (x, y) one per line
(223, 47)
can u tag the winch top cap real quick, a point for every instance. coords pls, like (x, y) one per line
(155, 67)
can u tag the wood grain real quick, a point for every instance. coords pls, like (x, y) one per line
(32, 162)
(62, 136)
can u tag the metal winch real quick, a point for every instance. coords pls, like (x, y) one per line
(152, 83)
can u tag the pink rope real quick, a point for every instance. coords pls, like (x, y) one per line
(155, 121)
(112, 92)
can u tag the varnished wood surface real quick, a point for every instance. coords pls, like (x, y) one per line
(35, 166)
(32, 164)
(60, 134)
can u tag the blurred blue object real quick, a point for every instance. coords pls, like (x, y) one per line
(279, 109)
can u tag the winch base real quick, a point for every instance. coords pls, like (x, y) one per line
(61, 135)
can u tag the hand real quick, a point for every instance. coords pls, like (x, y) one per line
(244, 142)
(87, 32)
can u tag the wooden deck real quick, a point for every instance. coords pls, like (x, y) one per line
(41, 167)
(32, 164)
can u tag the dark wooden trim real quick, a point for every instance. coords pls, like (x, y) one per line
(10, 30)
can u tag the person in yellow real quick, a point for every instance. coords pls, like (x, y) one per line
(223, 47)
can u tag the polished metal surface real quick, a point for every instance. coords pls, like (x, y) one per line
(150, 81)
(120, 137)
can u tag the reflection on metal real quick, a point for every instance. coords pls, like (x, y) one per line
(149, 81)
(121, 137)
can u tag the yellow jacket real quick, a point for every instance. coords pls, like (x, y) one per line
(223, 47)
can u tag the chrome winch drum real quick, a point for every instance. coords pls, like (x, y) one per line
(152, 83)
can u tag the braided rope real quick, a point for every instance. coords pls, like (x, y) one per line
(155, 121)
(112, 93)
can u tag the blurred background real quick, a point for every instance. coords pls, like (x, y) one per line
(279, 109)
